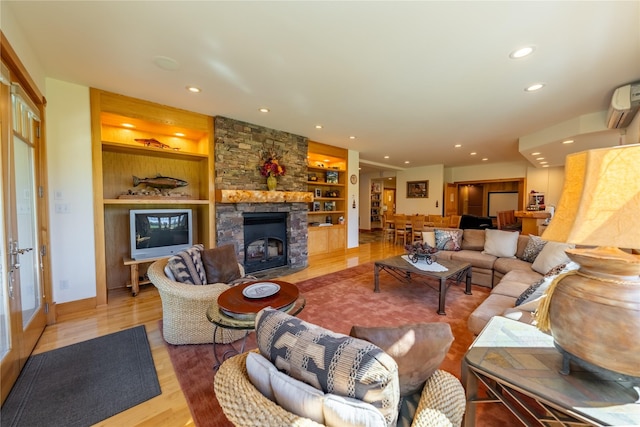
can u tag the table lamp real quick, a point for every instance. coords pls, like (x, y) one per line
(594, 313)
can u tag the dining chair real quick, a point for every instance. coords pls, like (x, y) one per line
(401, 230)
(388, 230)
(417, 225)
(454, 221)
(507, 221)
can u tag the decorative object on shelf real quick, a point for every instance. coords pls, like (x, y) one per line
(332, 177)
(593, 313)
(152, 142)
(376, 187)
(332, 193)
(312, 178)
(318, 192)
(160, 181)
(316, 206)
(417, 189)
(329, 206)
(271, 168)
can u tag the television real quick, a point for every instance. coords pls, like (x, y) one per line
(159, 232)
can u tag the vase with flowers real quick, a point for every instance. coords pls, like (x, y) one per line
(271, 168)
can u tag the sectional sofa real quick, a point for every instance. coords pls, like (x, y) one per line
(516, 267)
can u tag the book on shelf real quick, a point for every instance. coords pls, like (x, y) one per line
(332, 177)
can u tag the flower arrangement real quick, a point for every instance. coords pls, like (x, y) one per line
(271, 167)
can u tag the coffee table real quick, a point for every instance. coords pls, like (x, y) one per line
(404, 271)
(233, 310)
(519, 366)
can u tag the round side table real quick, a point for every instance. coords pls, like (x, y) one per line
(244, 310)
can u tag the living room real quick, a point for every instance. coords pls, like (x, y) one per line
(70, 186)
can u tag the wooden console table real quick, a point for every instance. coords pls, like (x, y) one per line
(135, 271)
(530, 220)
(520, 367)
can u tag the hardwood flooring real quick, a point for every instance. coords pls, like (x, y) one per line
(124, 311)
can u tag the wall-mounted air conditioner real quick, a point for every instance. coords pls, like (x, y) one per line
(625, 103)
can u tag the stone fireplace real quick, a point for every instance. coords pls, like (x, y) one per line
(241, 193)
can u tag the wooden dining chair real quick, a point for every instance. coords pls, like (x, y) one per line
(454, 221)
(401, 231)
(388, 228)
(507, 221)
(417, 225)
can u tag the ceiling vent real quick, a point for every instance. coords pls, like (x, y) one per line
(625, 103)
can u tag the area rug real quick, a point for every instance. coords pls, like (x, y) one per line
(85, 383)
(338, 301)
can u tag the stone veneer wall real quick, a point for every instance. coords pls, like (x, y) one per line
(240, 148)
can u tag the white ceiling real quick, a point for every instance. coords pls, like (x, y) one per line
(408, 79)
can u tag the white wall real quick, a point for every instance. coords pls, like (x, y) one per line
(68, 131)
(435, 175)
(353, 194)
(487, 172)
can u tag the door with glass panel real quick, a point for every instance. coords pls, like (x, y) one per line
(22, 314)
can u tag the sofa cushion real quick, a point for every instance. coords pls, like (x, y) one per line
(523, 240)
(297, 397)
(525, 277)
(448, 239)
(500, 243)
(505, 265)
(258, 371)
(187, 266)
(551, 255)
(331, 362)
(473, 239)
(475, 258)
(429, 237)
(537, 289)
(221, 264)
(533, 248)
(418, 349)
(494, 305)
(346, 411)
(509, 288)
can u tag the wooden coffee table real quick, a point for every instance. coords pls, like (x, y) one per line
(233, 310)
(404, 270)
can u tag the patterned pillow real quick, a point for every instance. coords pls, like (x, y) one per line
(448, 240)
(187, 266)
(533, 248)
(538, 289)
(331, 362)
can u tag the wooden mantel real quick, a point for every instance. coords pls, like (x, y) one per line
(248, 196)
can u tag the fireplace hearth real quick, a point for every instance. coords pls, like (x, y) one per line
(265, 237)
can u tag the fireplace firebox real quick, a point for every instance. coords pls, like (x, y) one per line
(265, 236)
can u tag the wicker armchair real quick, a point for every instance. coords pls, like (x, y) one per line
(442, 403)
(184, 309)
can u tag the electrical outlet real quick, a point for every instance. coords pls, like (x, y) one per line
(62, 208)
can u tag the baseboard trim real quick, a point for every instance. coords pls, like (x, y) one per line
(72, 307)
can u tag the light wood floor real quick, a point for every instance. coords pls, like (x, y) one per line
(124, 311)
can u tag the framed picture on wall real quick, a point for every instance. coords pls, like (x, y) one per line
(417, 189)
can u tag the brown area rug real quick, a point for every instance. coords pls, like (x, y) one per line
(338, 301)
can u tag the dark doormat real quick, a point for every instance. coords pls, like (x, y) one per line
(84, 383)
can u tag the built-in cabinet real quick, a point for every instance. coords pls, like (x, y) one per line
(136, 138)
(326, 179)
(376, 205)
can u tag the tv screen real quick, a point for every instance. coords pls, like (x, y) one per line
(159, 232)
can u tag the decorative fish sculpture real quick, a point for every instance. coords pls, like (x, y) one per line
(160, 182)
(152, 142)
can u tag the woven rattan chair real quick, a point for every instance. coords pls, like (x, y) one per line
(184, 309)
(442, 402)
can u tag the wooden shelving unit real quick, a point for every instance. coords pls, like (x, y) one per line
(326, 179)
(117, 157)
(376, 205)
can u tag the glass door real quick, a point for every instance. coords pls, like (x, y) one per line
(23, 308)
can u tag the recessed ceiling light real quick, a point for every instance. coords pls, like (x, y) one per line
(534, 87)
(127, 125)
(457, 146)
(179, 134)
(539, 158)
(318, 126)
(263, 110)
(522, 52)
(543, 163)
(352, 137)
(406, 162)
(386, 157)
(326, 160)
(537, 153)
(473, 153)
(545, 166)
(568, 141)
(193, 89)
(484, 159)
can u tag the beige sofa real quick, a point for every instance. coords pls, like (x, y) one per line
(508, 277)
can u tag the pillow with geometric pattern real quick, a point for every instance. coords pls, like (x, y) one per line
(187, 266)
(533, 248)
